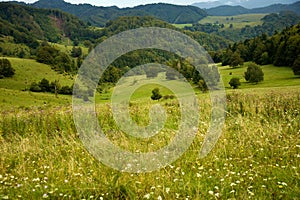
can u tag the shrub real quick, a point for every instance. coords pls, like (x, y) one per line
(34, 87)
(235, 83)
(156, 94)
(6, 69)
(254, 73)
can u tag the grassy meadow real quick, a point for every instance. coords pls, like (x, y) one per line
(181, 25)
(273, 76)
(238, 21)
(28, 71)
(256, 157)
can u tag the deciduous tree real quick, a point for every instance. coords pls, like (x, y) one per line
(254, 73)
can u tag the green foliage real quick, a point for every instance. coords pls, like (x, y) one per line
(64, 63)
(111, 75)
(6, 70)
(34, 87)
(53, 87)
(235, 83)
(76, 52)
(59, 61)
(281, 49)
(202, 85)
(254, 73)
(236, 60)
(47, 54)
(296, 65)
(156, 94)
(67, 90)
(44, 85)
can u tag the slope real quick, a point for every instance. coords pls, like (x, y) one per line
(27, 24)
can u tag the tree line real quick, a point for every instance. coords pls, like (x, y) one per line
(281, 49)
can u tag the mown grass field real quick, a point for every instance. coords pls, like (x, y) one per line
(238, 21)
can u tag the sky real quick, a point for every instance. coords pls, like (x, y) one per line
(124, 3)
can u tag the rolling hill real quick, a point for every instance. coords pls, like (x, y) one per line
(98, 16)
(228, 10)
(244, 3)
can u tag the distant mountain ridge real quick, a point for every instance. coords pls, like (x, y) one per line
(227, 10)
(249, 4)
(99, 16)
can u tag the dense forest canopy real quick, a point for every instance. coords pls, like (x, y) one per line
(209, 42)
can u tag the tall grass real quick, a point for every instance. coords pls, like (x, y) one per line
(258, 155)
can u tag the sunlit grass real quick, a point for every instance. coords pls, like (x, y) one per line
(273, 76)
(181, 25)
(238, 21)
(14, 99)
(256, 157)
(28, 71)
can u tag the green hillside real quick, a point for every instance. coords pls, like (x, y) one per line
(98, 16)
(246, 26)
(27, 25)
(274, 77)
(28, 71)
(52, 149)
(227, 10)
(12, 100)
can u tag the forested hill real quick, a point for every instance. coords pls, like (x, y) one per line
(244, 3)
(209, 41)
(271, 23)
(282, 49)
(98, 16)
(26, 24)
(226, 10)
